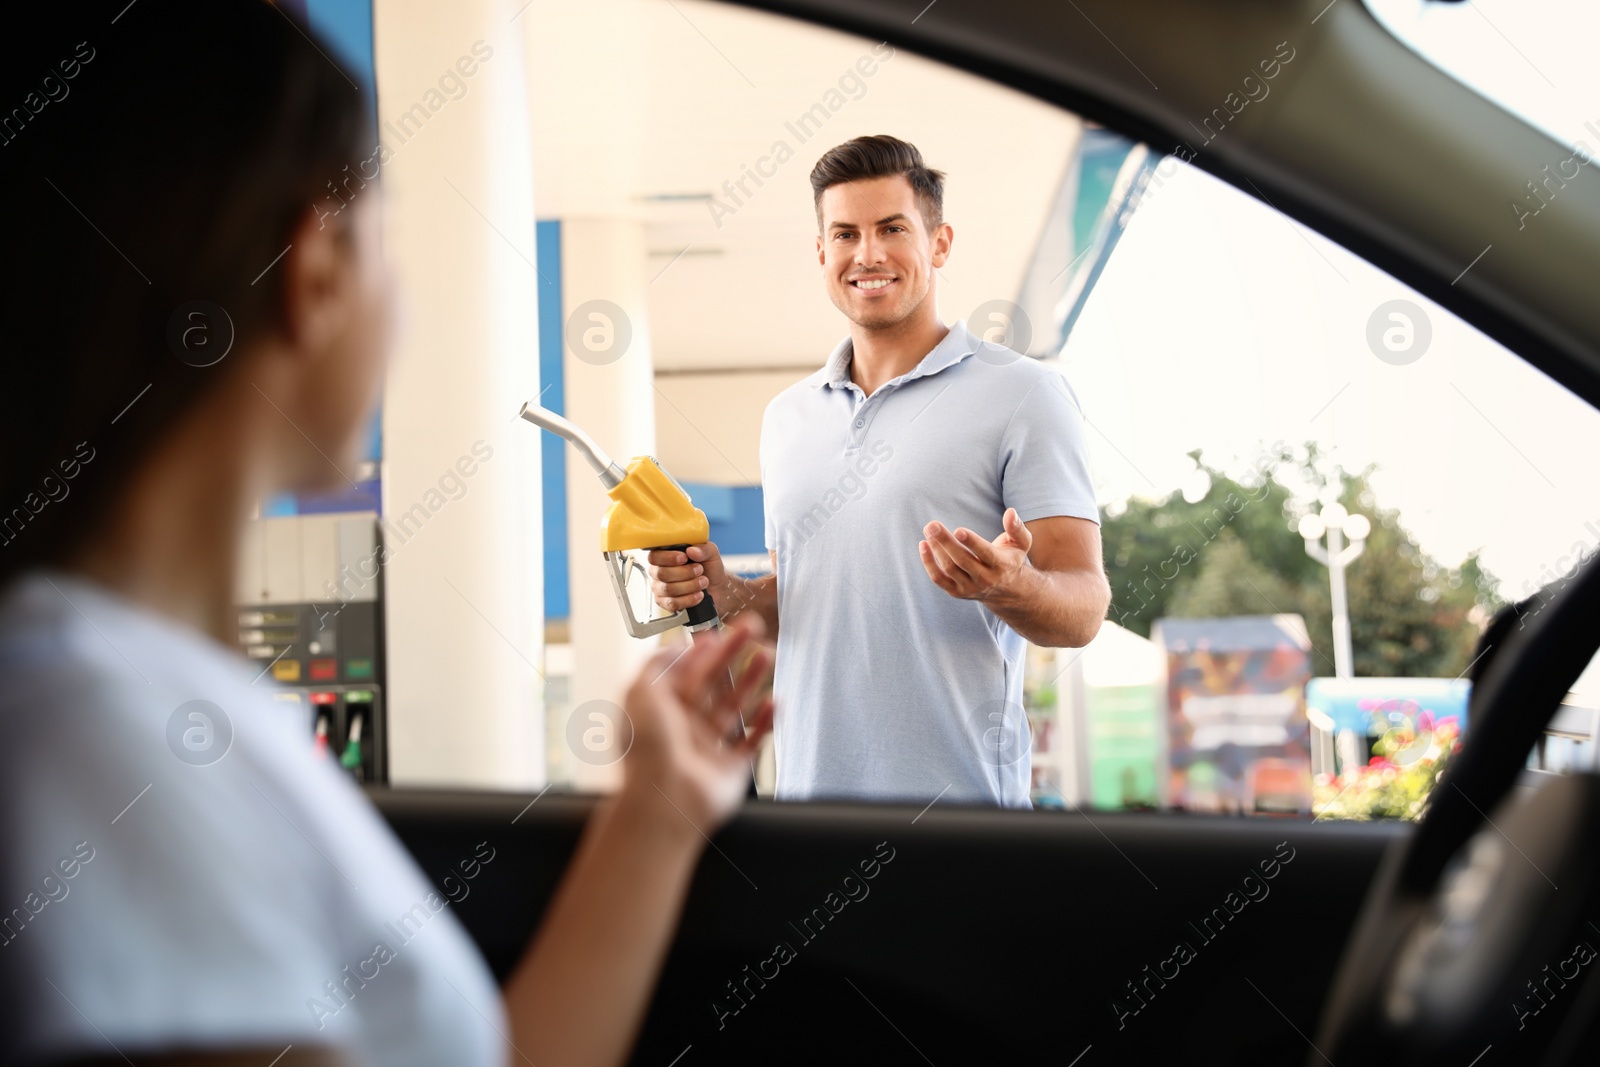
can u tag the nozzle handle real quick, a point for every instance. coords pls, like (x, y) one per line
(611, 475)
(702, 614)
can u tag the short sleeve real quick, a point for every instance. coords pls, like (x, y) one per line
(766, 519)
(769, 527)
(1044, 461)
(222, 905)
(158, 912)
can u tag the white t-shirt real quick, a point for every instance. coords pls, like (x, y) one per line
(155, 896)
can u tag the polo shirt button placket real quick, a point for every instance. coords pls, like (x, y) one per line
(852, 435)
(859, 423)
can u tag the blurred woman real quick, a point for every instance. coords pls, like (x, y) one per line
(159, 176)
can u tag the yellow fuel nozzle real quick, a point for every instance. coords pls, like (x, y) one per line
(648, 510)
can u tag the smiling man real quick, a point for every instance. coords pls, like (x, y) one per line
(928, 508)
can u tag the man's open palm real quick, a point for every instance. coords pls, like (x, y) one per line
(970, 568)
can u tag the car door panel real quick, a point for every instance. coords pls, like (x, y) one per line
(985, 936)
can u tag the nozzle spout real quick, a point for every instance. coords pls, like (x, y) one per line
(611, 475)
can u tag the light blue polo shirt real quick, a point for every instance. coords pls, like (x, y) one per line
(887, 687)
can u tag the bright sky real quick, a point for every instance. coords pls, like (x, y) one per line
(1220, 324)
(1533, 57)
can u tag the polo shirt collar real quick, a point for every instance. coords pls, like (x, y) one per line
(957, 345)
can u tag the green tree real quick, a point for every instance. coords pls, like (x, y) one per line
(1408, 614)
(1235, 551)
(1230, 581)
(1152, 548)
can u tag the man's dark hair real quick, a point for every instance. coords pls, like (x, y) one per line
(881, 156)
(154, 158)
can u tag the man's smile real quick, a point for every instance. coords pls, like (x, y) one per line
(873, 283)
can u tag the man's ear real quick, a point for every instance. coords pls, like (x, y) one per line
(942, 239)
(317, 282)
(821, 258)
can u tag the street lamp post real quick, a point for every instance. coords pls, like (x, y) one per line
(1337, 524)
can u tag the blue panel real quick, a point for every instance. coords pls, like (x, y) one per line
(375, 437)
(736, 515)
(744, 531)
(552, 395)
(364, 497)
(715, 500)
(346, 26)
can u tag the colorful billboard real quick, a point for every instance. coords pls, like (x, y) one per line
(1238, 740)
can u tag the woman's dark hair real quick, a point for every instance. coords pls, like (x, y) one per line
(153, 164)
(881, 156)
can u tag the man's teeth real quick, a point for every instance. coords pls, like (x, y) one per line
(875, 283)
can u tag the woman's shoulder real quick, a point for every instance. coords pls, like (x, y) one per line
(174, 853)
(131, 736)
(87, 677)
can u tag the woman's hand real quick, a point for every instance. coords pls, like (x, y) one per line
(581, 990)
(685, 716)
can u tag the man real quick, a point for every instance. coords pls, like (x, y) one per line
(900, 649)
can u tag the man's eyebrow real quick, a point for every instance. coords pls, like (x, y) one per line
(896, 217)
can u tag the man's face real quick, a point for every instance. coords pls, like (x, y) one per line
(876, 252)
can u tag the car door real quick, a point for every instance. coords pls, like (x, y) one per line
(909, 934)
